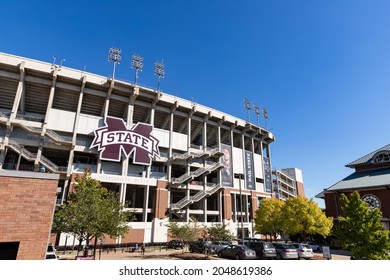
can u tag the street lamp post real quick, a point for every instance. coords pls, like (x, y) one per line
(240, 176)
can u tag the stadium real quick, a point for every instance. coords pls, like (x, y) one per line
(168, 157)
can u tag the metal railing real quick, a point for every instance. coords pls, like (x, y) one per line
(32, 156)
(196, 173)
(50, 133)
(195, 198)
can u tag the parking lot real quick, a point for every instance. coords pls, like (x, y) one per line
(172, 254)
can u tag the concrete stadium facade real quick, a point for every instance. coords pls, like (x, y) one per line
(170, 158)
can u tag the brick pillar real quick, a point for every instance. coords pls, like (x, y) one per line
(254, 205)
(161, 199)
(227, 203)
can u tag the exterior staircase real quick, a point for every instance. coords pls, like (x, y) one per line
(191, 175)
(50, 133)
(195, 198)
(37, 130)
(185, 156)
(191, 154)
(31, 157)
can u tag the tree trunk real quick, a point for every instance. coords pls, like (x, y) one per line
(94, 247)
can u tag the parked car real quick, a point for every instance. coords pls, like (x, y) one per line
(285, 251)
(304, 250)
(264, 250)
(175, 244)
(51, 256)
(51, 252)
(315, 247)
(218, 245)
(238, 252)
(201, 247)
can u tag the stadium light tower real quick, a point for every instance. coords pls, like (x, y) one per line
(159, 72)
(137, 64)
(257, 112)
(247, 106)
(265, 116)
(114, 54)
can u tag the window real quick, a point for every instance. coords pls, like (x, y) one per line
(382, 157)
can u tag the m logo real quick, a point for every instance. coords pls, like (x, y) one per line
(114, 138)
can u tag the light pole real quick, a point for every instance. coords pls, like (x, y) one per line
(137, 64)
(114, 54)
(247, 106)
(265, 115)
(159, 72)
(257, 112)
(240, 176)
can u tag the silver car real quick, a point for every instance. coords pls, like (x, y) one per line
(238, 252)
(219, 245)
(285, 251)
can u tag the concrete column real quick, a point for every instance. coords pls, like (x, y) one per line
(219, 205)
(173, 109)
(19, 93)
(204, 140)
(107, 101)
(76, 124)
(189, 126)
(145, 204)
(130, 106)
(47, 116)
(188, 193)
(153, 109)
(246, 202)
(235, 207)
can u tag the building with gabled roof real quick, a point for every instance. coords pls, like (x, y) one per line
(371, 179)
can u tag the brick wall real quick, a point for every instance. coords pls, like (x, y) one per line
(27, 202)
(333, 204)
(133, 235)
(161, 199)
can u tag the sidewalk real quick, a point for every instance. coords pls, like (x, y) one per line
(170, 254)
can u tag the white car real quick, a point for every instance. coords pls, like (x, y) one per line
(51, 253)
(304, 250)
(315, 247)
(51, 256)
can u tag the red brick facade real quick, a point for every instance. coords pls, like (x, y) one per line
(27, 207)
(161, 199)
(333, 205)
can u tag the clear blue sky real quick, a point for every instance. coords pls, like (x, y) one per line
(320, 68)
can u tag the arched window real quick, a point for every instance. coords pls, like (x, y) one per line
(382, 157)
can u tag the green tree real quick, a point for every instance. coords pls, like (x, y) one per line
(360, 230)
(303, 216)
(219, 233)
(268, 217)
(184, 232)
(91, 211)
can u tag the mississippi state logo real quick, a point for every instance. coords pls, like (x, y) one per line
(114, 138)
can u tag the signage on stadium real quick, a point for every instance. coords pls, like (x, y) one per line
(114, 138)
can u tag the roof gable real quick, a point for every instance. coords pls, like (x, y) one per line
(369, 157)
